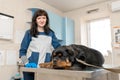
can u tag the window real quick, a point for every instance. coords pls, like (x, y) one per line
(99, 35)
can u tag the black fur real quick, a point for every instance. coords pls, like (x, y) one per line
(89, 55)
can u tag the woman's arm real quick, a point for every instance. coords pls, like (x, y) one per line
(55, 41)
(24, 46)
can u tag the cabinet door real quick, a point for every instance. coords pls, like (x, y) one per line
(69, 31)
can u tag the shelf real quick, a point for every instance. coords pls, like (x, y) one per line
(29, 22)
(33, 9)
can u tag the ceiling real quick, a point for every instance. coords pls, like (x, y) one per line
(68, 5)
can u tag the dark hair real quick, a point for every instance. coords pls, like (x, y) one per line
(33, 30)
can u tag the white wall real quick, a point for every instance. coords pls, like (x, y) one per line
(18, 9)
(115, 21)
(80, 16)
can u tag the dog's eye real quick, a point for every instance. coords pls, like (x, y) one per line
(57, 54)
(60, 55)
(54, 54)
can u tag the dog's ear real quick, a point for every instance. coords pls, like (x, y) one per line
(70, 50)
(71, 53)
(80, 53)
(81, 56)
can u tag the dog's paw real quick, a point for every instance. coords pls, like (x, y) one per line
(46, 65)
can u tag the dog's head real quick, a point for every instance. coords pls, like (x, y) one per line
(62, 57)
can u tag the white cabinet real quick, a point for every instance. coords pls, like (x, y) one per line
(6, 26)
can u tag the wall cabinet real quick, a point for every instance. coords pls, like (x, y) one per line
(6, 26)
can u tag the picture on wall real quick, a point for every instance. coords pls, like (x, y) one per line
(116, 31)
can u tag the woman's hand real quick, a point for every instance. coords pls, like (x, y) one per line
(31, 65)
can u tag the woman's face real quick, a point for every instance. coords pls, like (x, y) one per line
(41, 21)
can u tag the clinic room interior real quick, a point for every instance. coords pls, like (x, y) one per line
(93, 23)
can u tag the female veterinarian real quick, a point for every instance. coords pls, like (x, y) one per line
(38, 43)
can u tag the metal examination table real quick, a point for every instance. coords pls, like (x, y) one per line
(53, 74)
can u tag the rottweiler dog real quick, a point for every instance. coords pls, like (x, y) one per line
(64, 57)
